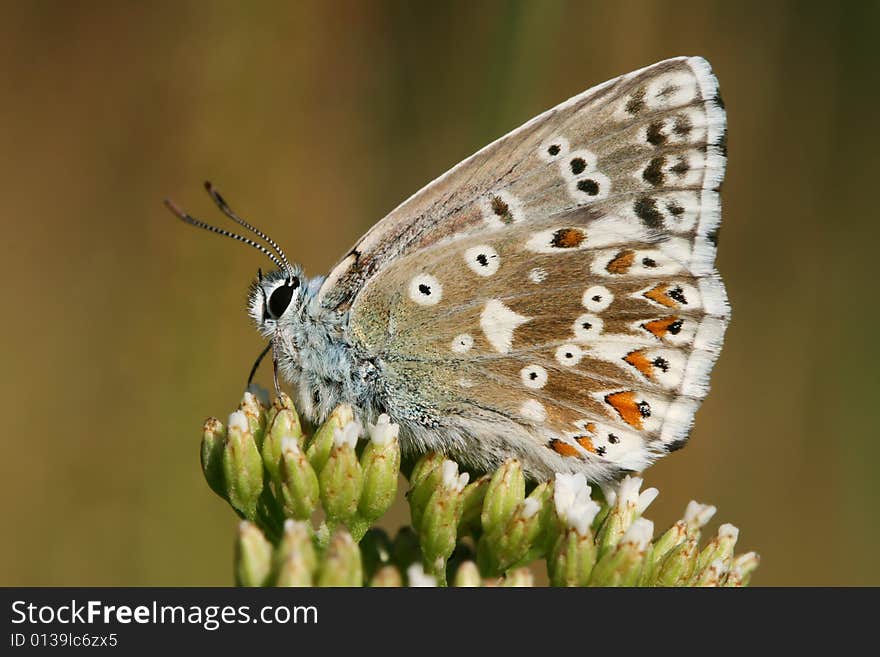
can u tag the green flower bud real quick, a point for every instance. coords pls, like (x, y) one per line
(519, 577)
(295, 558)
(467, 575)
(342, 562)
(255, 413)
(293, 571)
(298, 537)
(242, 466)
(712, 575)
(319, 447)
(439, 526)
(380, 462)
(506, 492)
(425, 478)
(720, 547)
(341, 480)
(741, 569)
(521, 536)
(298, 483)
(387, 577)
(696, 516)
(572, 559)
(677, 567)
(627, 504)
(472, 506)
(253, 556)
(622, 565)
(674, 536)
(424, 467)
(213, 439)
(282, 422)
(573, 555)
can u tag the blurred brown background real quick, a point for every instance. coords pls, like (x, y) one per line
(123, 329)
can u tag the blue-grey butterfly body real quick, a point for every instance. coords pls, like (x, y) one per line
(553, 297)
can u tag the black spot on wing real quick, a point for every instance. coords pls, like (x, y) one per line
(646, 210)
(653, 173)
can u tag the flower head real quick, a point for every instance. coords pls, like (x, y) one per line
(571, 496)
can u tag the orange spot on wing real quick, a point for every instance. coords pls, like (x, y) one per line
(640, 361)
(563, 448)
(621, 263)
(659, 327)
(658, 294)
(625, 405)
(586, 443)
(568, 238)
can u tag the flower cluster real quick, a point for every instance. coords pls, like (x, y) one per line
(490, 531)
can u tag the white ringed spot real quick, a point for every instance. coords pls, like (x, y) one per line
(569, 355)
(425, 290)
(466, 383)
(553, 149)
(597, 298)
(534, 410)
(533, 376)
(483, 260)
(587, 327)
(537, 275)
(462, 343)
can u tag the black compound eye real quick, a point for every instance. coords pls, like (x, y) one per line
(280, 298)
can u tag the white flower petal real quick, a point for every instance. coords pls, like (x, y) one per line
(639, 534)
(348, 435)
(696, 515)
(728, 531)
(450, 477)
(645, 498)
(628, 492)
(384, 431)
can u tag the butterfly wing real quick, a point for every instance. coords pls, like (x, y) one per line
(554, 296)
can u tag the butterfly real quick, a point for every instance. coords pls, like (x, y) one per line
(552, 298)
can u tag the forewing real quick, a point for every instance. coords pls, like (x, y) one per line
(647, 143)
(567, 287)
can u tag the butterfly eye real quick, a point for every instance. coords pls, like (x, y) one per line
(280, 298)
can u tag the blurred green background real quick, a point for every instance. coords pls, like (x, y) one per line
(123, 329)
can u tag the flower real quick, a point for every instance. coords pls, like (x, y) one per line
(696, 515)
(639, 535)
(451, 479)
(571, 497)
(348, 434)
(383, 431)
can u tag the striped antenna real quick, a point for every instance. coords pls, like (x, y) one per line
(225, 209)
(192, 221)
